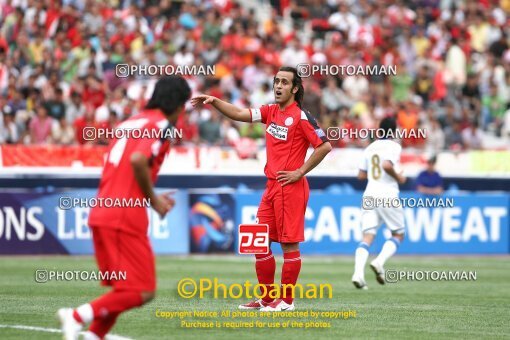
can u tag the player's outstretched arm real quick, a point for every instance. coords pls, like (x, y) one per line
(390, 170)
(227, 109)
(287, 177)
(161, 203)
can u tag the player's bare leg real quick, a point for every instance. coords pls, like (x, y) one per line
(265, 267)
(290, 273)
(388, 250)
(360, 260)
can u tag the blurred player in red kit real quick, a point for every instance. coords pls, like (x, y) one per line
(121, 243)
(289, 132)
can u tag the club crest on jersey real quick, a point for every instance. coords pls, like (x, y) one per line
(289, 121)
(277, 131)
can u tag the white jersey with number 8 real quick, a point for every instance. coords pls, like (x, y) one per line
(380, 184)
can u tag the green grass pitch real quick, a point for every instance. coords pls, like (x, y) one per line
(411, 310)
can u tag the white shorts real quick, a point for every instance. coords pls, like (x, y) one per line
(371, 220)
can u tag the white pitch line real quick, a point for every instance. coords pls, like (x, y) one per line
(32, 328)
(55, 330)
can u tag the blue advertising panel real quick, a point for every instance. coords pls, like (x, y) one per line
(33, 223)
(474, 224)
(211, 221)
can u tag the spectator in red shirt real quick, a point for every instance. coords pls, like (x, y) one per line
(189, 129)
(52, 15)
(94, 92)
(86, 121)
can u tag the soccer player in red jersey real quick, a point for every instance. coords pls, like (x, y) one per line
(121, 243)
(289, 132)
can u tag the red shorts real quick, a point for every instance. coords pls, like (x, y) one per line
(118, 251)
(283, 209)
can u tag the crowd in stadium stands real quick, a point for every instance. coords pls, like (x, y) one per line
(58, 59)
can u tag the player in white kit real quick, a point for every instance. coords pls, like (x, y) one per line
(380, 160)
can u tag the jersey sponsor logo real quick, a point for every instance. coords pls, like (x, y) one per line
(277, 131)
(289, 121)
(253, 239)
(320, 133)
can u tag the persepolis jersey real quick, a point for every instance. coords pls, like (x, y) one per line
(118, 179)
(289, 133)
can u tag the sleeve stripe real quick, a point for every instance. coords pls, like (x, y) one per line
(256, 115)
(305, 115)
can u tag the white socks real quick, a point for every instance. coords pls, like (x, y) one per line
(361, 256)
(360, 259)
(388, 250)
(86, 313)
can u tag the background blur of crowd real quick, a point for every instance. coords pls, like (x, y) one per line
(58, 58)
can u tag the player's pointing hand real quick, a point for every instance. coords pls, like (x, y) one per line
(201, 100)
(287, 177)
